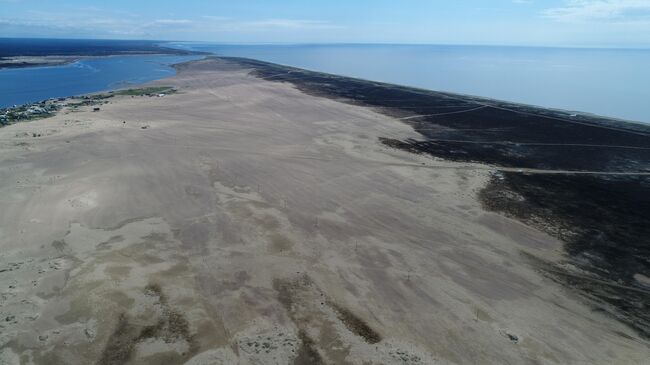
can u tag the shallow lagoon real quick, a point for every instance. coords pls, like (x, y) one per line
(25, 85)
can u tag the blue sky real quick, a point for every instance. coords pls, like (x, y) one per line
(589, 23)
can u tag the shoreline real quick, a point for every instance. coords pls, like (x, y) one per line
(502, 134)
(113, 86)
(24, 53)
(19, 62)
(571, 116)
(251, 220)
(566, 113)
(23, 62)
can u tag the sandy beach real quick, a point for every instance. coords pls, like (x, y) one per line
(241, 220)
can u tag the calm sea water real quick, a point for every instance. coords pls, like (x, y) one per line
(24, 85)
(609, 82)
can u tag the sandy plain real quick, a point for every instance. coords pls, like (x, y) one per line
(243, 221)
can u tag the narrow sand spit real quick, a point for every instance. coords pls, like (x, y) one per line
(251, 223)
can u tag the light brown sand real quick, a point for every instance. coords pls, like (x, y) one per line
(251, 223)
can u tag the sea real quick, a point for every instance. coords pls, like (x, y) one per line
(25, 85)
(607, 82)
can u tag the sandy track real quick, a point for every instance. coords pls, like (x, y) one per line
(252, 223)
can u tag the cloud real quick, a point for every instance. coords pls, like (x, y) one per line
(87, 21)
(612, 11)
(172, 21)
(260, 25)
(289, 24)
(98, 22)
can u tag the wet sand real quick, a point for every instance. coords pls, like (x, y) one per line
(242, 220)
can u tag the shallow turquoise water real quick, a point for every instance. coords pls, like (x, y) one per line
(24, 85)
(610, 82)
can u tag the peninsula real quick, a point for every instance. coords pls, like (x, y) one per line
(22, 52)
(247, 212)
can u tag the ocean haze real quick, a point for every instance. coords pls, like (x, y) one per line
(608, 82)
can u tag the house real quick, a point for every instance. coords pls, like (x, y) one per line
(36, 110)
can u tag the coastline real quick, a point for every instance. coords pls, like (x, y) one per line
(42, 61)
(499, 73)
(78, 80)
(24, 53)
(52, 61)
(566, 114)
(601, 166)
(259, 217)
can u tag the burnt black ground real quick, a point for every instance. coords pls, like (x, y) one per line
(602, 219)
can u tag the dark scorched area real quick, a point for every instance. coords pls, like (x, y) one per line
(601, 217)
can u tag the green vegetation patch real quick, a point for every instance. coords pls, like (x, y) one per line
(146, 91)
(28, 112)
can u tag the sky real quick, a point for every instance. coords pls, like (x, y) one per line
(568, 23)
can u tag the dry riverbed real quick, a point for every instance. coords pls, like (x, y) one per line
(240, 220)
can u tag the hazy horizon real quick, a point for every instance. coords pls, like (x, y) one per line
(180, 41)
(553, 23)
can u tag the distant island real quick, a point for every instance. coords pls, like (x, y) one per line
(32, 52)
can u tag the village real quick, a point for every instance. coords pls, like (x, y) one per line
(49, 107)
(18, 113)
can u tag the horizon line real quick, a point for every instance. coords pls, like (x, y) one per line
(271, 43)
